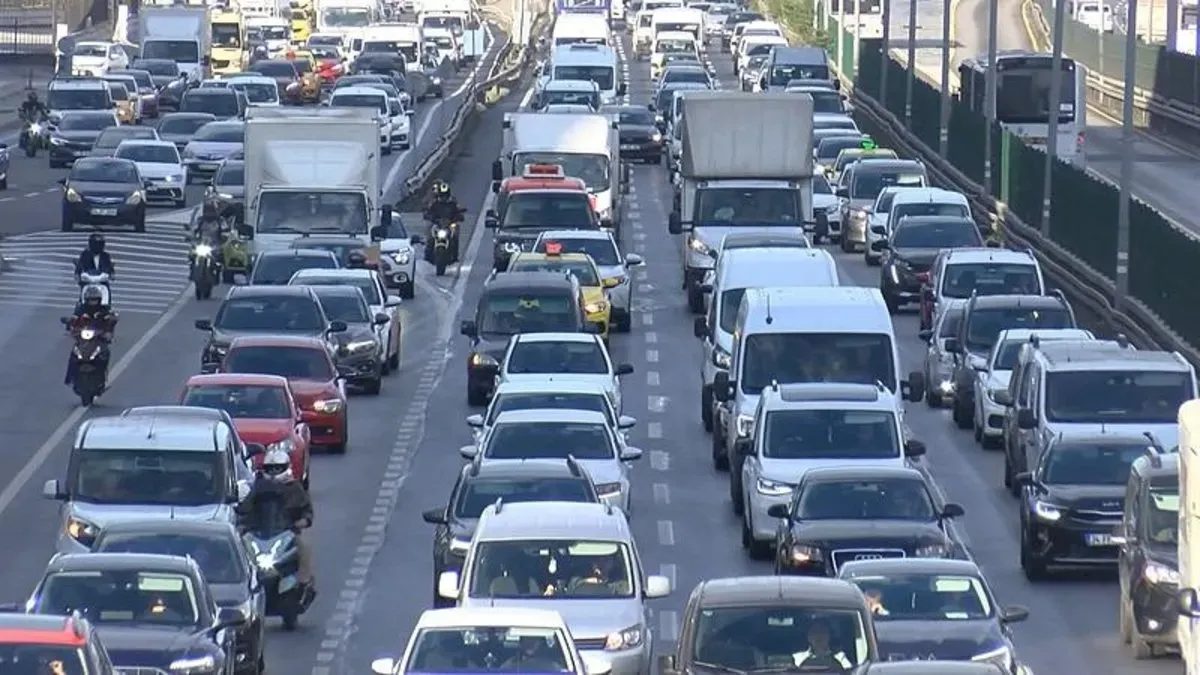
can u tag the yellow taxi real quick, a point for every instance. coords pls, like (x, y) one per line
(126, 102)
(596, 307)
(310, 81)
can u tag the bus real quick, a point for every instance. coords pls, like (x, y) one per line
(1023, 98)
(870, 17)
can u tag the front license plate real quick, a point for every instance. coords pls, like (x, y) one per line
(104, 212)
(629, 146)
(1098, 539)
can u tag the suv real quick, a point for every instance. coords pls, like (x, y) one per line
(512, 303)
(541, 198)
(1147, 557)
(243, 470)
(266, 310)
(481, 484)
(546, 555)
(68, 639)
(959, 273)
(734, 612)
(984, 316)
(141, 467)
(769, 467)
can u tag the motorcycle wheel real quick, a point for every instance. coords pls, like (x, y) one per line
(291, 619)
(31, 148)
(440, 267)
(86, 399)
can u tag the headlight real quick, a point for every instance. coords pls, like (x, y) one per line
(203, 250)
(597, 306)
(459, 545)
(360, 346)
(745, 426)
(286, 445)
(1047, 511)
(720, 358)
(625, 639)
(201, 664)
(932, 551)
(437, 81)
(403, 256)
(224, 195)
(55, 140)
(82, 531)
(772, 488)
(329, 405)
(993, 392)
(177, 178)
(134, 198)
(72, 195)
(698, 246)
(1158, 573)
(87, 334)
(1001, 657)
(604, 489)
(805, 554)
(441, 234)
(656, 138)
(479, 360)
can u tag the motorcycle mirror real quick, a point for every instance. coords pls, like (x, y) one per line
(65, 320)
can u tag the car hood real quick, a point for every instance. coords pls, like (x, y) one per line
(823, 201)
(638, 130)
(394, 245)
(1166, 433)
(96, 189)
(177, 139)
(590, 619)
(835, 533)
(307, 391)
(212, 150)
(102, 152)
(78, 136)
(265, 431)
(356, 332)
(226, 336)
(148, 644)
(1108, 498)
(158, 170)
(792, 470)
(603, 381)
(235, 191)
(492, 345)
(917, 256)
(712, 235)
(102, 515)
(998, 379)
(948, 640)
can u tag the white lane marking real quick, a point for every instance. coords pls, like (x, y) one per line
(651, 356)
(652, 379)
(32, 194)
(647, 318)
(666, 533)
(654, 430)
(656, 404)
(660, 460)
(35, 462)
(662, 494)
(651, 337)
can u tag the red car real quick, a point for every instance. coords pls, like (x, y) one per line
(309, 368)
(263, 408)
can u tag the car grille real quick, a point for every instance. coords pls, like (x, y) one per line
(140, 670)
(1088, 515)
(846, 555)
(591, 643)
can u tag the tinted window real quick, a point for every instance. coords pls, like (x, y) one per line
(944, 234)
(182, 125)
(366, 285)
(508, 314)
(158, 68)
(547, 210)
(873, 499)
(926, 597)
(546, 440)
(360, 101)
(105, 172)
(479, 494)
(1116, 396)
(296, 363)
(222, 103)
(231, 173)
(288, 313)
(343, 307)
(985, 324)
(276, 69)
(122, 597)
(580, 358)
(1090, 463)
(581, 270)
(216, 556)
(869, 183)
(241, 401)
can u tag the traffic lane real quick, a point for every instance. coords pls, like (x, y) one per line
(156, 377)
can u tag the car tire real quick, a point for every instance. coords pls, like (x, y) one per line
(475, 397)
(406, 146)
(961, 415)
(387, 149)
(408, 291)
(706, 411)
(872, 261)
(139, 225)
(932, 398)
(757, 550)
(67, 225)
(1032, 565)
(373, 386)
(695, 301)
(720, 460)
(4, 183)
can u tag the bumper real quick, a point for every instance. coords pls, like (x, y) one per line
(629, 662)
(400, 275)
(900, 287)
(647, 151)
(1065, 543)
(165, 192)
(67, 153)
(201, 167)
(103, 214)
(1156, 613)
(326, 428)
(601, 319)
(400, 140)
(764, 526)
(361, 369)
(992, 420)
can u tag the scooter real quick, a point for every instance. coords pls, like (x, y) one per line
(274, 551)
(203, 269)
(91, 354)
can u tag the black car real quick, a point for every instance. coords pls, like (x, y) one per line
(227, 192)
(104, 191)
(360, 357)
(108, 140)
(926, 610)
(265, 310)
(480, 485)
(732, 21)
(152, 612)
(686, 72)
(218, 550)
(1148, 553)
(167, 78)
(910, 249)
(75, 134)
(512, 303)
(222, 103)
(838, 515)
(179, 127)
(640, 137)
(1072, 498)
(983, 319)
(275, 268)
(340, 247)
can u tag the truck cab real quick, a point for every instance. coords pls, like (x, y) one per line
(228, 42)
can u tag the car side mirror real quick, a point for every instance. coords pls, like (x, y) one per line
(606, 223)
(914, 387)
(925, 335)
(435, 516)
(700, 327)
(491, 219)
(1026, 419)
(381, 319)
(674, 224)
(255, 449)
(630, 454)
(383, 666)
(882, 244)
(625, 422)
(337, 327)
(227, 617)
(1014, 614)
(378, 233)
(392, 301)
(1023, 478)
(624, 369)
(52, 489)
(241, 491)
(468, 451)
(951, 510)
(447, 586)
(778, 511)
(634, 260)
(475, 421)
(843, 193)
(1003, 397)
(722, 386)
(468, 329)
(203, 324)
(245, 231)
(914, 448)
(952, 346)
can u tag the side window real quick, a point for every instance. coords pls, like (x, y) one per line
(1035, 391)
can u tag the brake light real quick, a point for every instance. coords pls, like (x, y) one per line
(592, 201)
(553, 248)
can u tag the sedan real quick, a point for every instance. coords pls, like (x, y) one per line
(360, 353)
(104, 191)
(227, 192)
(146, 91)
(211, 145)
(179, 128)
(909, 252)
(370, 283)
(159, 164)
(110, 138)
(640, 137)
(613, 266)
(76, 133)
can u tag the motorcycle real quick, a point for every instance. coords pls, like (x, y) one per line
(93, 279)
(443, 234)
(203, 268)
(91, 354)
(33, 137)
(273, 548)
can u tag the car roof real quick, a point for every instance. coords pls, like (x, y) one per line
(749, 590)
(297, 341)
(41, 629)
(847, 473)
(146, 143)
(550, 385)
(297, 253)
(154, 431)
(863, 568)
(236, 379)
(1016, 300)
(498, 617)
(340, 273)
(147, 562)
(539, 280)
(200, 528)
(589, 338)
(554, 520)
(187, 115)
(360, 90)
(556, 235)
(239, 292)
(522, 468)
(550, 415)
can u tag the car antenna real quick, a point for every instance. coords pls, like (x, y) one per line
(770, 319)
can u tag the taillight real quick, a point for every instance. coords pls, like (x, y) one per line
(923, 277)
(1079, 141)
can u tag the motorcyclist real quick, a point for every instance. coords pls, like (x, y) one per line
(259, 53)
(92, 311)
(275, 481)
(94, 259)
(207, 228)
(32, 109)
(443, 207)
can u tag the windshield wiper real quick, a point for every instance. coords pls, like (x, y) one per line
(717, 666)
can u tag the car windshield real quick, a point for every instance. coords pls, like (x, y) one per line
(1081, 463)
(114, 136)
(141, 77)
(602, 251)
(685, 75)
(1006, 356)
(294, 363)
(867, 499)
(506, 402)
(821, 185)
(150, 154)
(552, 569)
(931, 209)
(868, 183)
(848, 157)
(946, 234)
(1116, 396)
(364, 284)
(509, 314)
(960, 280)
(1162, 516)
(746, 639)
(549, 440)
(360, 101)
(344, 307)
(257, 92)
(220, 102)
(23, 658)
(241, 401)
(480, 493)
(214, 554)
(231, 174)
(783, 73)
(86, 122)
(731, 300)
(984, 324)
(636, 117)
(85, 49)
(221, 133)
(59, 98)
(277, 270)
(182, 125)
(602, 75)
(530, 357)
(331, 213)
(104, 172)
(121, 597)
(754, 206)
(283, 314)
(275, 69)
(483, 649)
(926, 597)
(582, 270)
(830, 434)
(168, 478)
(675, 46)
(825, 101)
(591, 169)
(547, 210)
(865, 358)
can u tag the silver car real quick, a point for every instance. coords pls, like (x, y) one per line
(613, 265)
(939, 364)
(212, 144)
(553, 393)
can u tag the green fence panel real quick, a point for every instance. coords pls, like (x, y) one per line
(1083, 217)
(1024, 169)
(870, 66)
(926, 113)
(849, 52)
(897, 81)
(967, 130)
(1162, 270)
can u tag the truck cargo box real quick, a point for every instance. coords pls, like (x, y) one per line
(738, 135)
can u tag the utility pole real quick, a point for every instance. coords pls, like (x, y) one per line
(989, 100)
(887, 35)
(944, 125)
(912, 62)
(1127, 143)
(1056, 85)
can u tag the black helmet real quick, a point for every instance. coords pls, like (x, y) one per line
(33, 97)
(96, 243)
(92, 296)
(356, 260)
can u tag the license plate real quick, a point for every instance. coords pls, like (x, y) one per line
(1098, 539)
(104, 212)
(629, 146)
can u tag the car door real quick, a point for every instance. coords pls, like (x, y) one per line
(1029, 440)
(391, 307)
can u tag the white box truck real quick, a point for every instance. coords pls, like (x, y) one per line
(180, 34)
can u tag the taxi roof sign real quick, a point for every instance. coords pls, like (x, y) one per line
(868, 143)
(544, 171)
(554, 248)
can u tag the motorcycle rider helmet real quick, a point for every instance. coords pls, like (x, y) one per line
(441, 191)
(32, 98)
(93, 298)
(277, 466)
(96, 243)
(356, 260)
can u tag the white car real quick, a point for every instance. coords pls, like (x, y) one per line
(215, 83)
(401, 127)
(398, 258)
(260, 92)
(877, 223)
(370, 282)
(160, 164)
(613, 266)
(95, 59)
(580, 356)
(370, 98)
(550, 393)
(825, 200)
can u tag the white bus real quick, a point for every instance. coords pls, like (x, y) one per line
(1023, 98)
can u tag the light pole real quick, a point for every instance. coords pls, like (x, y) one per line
(989, 103)
(943, 127)
(1127, 143)
(1056, 83)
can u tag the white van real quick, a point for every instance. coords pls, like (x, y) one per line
(588, 29)
(589, 63)
(738, 270)
(806, 334)
(680, 19)
(670, 42)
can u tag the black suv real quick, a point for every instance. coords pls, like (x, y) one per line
(984, 318)
(1072, 499)
(517, 302)
(911, 248)
(480, 485)
(1147, 553)
(265, 310)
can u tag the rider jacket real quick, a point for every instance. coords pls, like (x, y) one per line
(101, 317)
(442, 211)
(95, 262)
(296, 502)
(31, 111)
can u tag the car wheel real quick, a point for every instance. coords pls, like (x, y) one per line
(1032, 565)
(67, 225)
(139, 225)
(962, 416)
(736, 495)
(1124, 620)
(4, 183)
(719, 459)
(758, 550)
(476, 398)
(695, 301)
(706, 411)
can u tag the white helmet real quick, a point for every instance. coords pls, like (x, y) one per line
(277, 466)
